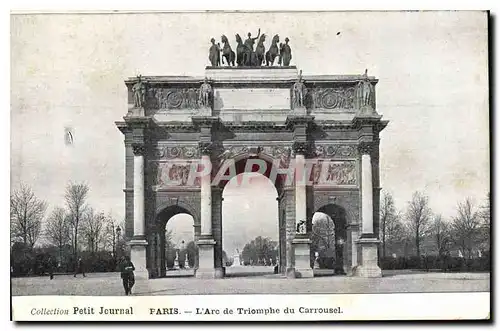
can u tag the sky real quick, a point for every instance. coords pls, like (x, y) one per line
(69, 71)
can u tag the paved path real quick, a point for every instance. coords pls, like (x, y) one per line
(267, 283)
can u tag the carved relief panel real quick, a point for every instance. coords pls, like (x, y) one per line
(177, 152)
(173, 98)
(175, 166)
(333, 98)
(329, 172)
(335, 151)
(176, 173)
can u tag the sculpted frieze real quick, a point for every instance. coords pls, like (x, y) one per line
(177, 152)
(334, 98)
(175, 173)
(173, 98)
(335, 150)
(334, 173)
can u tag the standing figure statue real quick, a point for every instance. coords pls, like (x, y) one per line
(250, 41)
(299, 92)
(139, 90)
(285, 53)
(273, 51)
(364, 92)
(227, 52)
(260, 50)
(214, 54)
(205, 94)
(301, 227)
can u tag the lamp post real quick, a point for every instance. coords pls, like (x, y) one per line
(118, 232)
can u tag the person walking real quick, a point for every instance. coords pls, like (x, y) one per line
(50, 267)
(127, 274)
(79, 268)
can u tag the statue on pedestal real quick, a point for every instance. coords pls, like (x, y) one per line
(301, 227)
(214, 54)
(316, 260)
(285, 53)
(364, 92)
(139, 90)
(205, 94)
(299, 92)
(176, 261)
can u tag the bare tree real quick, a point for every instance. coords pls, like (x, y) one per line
(441, 234)
(111, 234)
(485, 232)
(397, 234)
(58, 230)
(93, 229)
(466, 227)
(323, 231)
(26, 214)
(388, 219)
(76, 195)
(418, 218)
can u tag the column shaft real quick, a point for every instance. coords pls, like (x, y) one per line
(138, 195)
(206, 199)
(300, 189)
(366, 194)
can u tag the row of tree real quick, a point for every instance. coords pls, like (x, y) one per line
(72, 228)
(260, 251)
(418, 231)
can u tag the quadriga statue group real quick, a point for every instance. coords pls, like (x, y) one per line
(245, 54)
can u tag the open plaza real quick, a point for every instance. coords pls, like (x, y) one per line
(254, 280)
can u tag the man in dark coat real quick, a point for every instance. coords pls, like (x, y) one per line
(50, 267)
(127, 273)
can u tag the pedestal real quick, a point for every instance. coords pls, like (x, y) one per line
(138, 258)
(206, 266)
(369, 259)
(299, 110)
(236, 260)
(301, 247)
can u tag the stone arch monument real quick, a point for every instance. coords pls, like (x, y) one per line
(322, 152)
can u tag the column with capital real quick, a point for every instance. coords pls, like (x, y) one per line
(302, 242)
(138, 242)
(368, 241)
(206, 242)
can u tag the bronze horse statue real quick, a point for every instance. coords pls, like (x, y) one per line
(260, 50)
(241, 51)
(244, 55)
(273, 51)
(227, 52)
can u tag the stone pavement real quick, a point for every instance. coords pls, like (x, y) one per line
(109, 284)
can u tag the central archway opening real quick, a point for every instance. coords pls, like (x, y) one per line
(250, 224)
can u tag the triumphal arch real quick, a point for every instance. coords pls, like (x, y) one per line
(315, 137)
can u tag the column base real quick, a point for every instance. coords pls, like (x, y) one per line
(368, 267)
(206, 262)
(138, 258)
(302, 255)
(205, 274)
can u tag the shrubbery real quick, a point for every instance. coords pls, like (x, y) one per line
(432, 262)
(27, 262)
